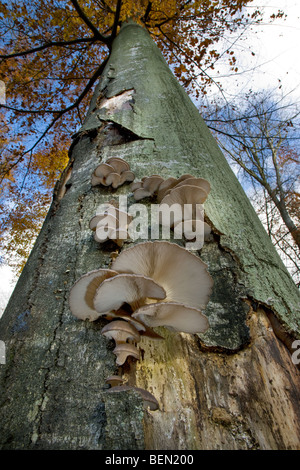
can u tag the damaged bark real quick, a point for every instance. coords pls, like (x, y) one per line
(234, 387)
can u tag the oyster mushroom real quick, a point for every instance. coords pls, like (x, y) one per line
(81, 298)
(114, 380)
(174, 316)
(123, 351)
(132, 289)
(121, 331)
(182, 274)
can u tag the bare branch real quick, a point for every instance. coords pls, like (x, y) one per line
(89, 24)
(45, 46)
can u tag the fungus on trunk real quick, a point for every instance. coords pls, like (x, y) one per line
(121, 331)
(114, 172)
(182, 275)
(174, 316)
(123, 351)
(133, 289)
(81, 298)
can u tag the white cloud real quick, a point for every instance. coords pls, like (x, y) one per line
(7, 283)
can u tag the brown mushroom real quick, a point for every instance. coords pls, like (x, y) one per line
(123, 351)
(121, 331)
(114, 380)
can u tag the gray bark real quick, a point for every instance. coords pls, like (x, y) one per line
(234, 387)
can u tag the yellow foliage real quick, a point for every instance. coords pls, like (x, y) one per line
(52, 56)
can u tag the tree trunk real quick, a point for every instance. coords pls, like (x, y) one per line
(234, 387)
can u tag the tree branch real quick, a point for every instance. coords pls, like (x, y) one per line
(116, 21)
(45, 46)
(89, 24)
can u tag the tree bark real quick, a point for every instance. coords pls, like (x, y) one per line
(234, 387)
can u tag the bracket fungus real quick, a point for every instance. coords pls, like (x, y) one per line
(174, 316)
(121, 331)
(182, 275)
(81, 298)
(114, 380)
(114, 172)
(123, 351)
(147, 187)
(111, 224)
(132, 289)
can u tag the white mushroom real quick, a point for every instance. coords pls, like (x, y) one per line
(83, 291)
(174, 316)
(140, 327)
(123, 350)
(182, 274)
(132, 289)
(121, 331)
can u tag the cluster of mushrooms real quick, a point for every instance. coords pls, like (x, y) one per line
(187, 191)
(148, 285)
(117, 231)
(114, 172)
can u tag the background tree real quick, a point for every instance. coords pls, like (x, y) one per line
(260, 135)
(51, 57)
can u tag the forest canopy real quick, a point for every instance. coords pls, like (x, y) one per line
(52, 54)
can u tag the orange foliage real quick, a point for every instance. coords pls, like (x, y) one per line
(52, 54)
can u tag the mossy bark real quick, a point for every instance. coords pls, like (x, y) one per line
(234, 387)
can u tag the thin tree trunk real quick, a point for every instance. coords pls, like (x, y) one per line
(234, 387)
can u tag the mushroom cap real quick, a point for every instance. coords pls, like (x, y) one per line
(96, 180)
(113, 179)
(185, 194)
(152, 183)
(188, 198)
(141, 193)
(103, 170)
(136, 185)
(182, 274)
(148, 399)
(118, 164)
(140, 327)
(200, 182)
(120, 331)
(126, 288)
(174, 316)
(123, 350)
(114, 380)
(127, 175)
(165, 186)
(83, 291)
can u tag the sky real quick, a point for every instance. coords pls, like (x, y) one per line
(276, 49)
